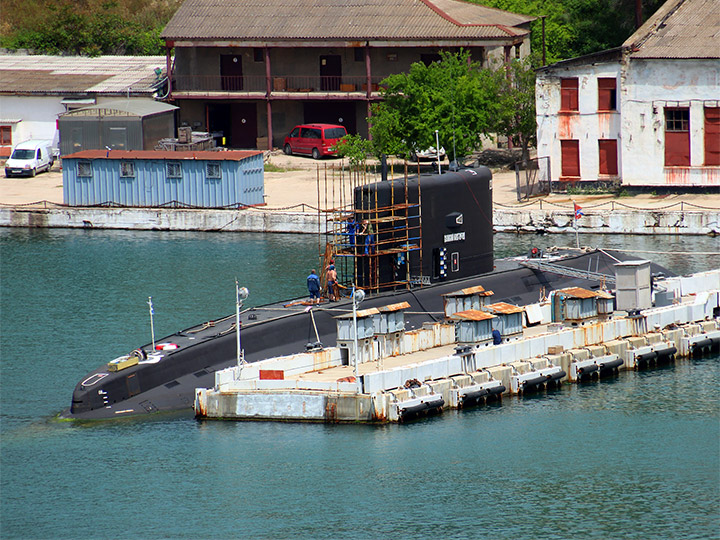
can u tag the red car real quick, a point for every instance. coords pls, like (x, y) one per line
(315, 140)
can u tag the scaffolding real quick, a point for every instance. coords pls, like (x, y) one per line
(375, 243)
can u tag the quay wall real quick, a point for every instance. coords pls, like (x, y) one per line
(626, 343)
(530, 220)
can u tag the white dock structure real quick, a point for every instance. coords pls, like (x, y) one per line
(427, 371)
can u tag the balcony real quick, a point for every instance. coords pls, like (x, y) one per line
(281, 86)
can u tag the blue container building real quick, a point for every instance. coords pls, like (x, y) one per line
(230, 179)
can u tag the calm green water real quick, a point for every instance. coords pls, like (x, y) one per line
(634, 457)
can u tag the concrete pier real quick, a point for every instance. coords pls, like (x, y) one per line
(432, 375)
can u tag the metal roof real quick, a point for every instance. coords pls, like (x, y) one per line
(44, 74)
(355, 20)
(127, 107)
(479, 290)
(504, 308)
(361, 313)
(679, 29)
(230, 155)
(577, 292)
(393, 307)
(473, 315)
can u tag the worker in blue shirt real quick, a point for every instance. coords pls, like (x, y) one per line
(313, 285)
(497, 338)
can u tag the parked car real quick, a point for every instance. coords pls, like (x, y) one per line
(315, 140)
(29, 158)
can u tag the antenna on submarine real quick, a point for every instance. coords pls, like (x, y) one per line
(152, 326)
(241, 294)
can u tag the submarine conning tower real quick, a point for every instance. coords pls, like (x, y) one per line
(420, 230)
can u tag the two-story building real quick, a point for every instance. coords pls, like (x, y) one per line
(644, 114)
(253, 70)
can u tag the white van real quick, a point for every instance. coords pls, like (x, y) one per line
(29, 158)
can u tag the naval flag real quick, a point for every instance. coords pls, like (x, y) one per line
(578, 211)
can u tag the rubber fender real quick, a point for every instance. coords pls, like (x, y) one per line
(529, 383)
(588, 369)
(555, 376)
(611, 364)
(702, 344)
(475, 395)
(414, 409)
(666, 352)
(496, 390)
(647, 357)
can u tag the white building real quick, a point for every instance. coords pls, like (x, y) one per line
(35, 89)
(644, 114)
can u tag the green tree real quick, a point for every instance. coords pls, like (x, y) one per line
(356, 149)
(515, 94)
(453, 96)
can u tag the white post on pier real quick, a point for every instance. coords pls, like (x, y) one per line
(357, 297)
(437, 150)
(241, 293)
(152, 325)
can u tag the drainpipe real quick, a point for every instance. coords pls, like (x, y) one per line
(268, 78)
(168, 68)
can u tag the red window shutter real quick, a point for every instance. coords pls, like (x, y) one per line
(607, 94)
(568, 94)
(570, 157)
(712, 135)
(608, 157)
(677, 148)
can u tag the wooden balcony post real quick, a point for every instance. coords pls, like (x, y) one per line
(368, 70)
(268, 81)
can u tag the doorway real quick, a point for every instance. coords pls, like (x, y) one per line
(236, 121)
(330, 72)
(231, 73)
(331, 112)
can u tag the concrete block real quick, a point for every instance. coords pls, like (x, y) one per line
(521, 367)
(617, 346)
(461, 380)
(555, 349)
(653, 338)
(708, 326)
(480, 377)
(672, 335)
(579, 354)
(636, 342)
(596, 350)
(503, 374)
(692, 329)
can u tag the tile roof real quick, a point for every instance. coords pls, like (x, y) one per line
(679, 29)
(43, 74)
(230, 155)
(361, 20)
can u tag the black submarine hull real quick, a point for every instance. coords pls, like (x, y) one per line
(170, 382)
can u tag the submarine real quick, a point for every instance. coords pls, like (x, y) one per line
(421, 237)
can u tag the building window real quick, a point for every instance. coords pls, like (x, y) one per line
(607, 149)
(607, 95)
(677, 137)
(127, 169)
(213, 169)
(6, 135)
(174, 169)
(258, 54)
(712, 135)
(570, 158)
(84, 169)
(569, 94)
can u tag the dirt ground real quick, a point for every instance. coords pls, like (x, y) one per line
(296, 184)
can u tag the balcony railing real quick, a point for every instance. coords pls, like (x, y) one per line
(258, 83)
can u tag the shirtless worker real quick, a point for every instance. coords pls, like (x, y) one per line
(331, 278)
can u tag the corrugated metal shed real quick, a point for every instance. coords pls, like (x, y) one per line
(60, 75)
(341, 19)
(509, 318)
(473, 326)
(151, 179)
(122, 124)
(679, 29)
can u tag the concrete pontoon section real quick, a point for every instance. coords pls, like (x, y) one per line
(434, 373)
